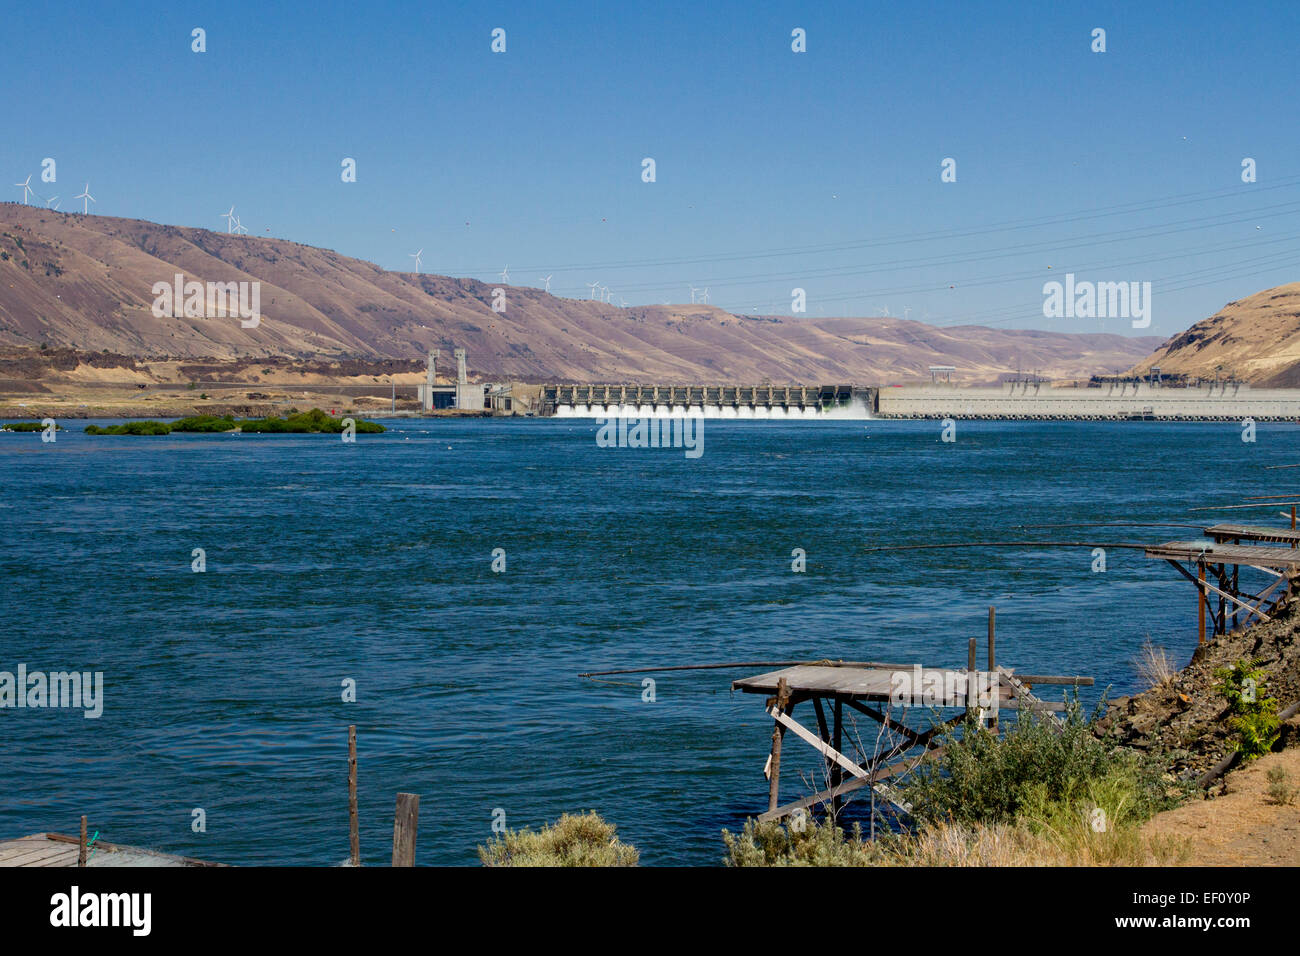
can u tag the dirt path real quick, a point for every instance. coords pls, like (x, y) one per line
(1242, 827)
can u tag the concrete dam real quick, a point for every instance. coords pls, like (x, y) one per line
(713, 401)
(1121, 400)
(1113, 401)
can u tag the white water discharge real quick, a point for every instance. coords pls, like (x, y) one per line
(856, 411)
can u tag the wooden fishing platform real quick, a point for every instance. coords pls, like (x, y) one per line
(1251, 532)
(1272, 551)
(875, 683)
(832, 686)
(55, 849)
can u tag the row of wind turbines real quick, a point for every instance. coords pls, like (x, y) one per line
(233, 225)
(53, 201)
(504, 273)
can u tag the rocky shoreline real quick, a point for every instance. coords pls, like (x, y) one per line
(1186, 718)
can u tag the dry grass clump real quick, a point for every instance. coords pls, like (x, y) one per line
(573, 840)
(1154, 665)
(955, 844)
(1280, 790)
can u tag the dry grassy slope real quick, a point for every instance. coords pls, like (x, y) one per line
(85, 282)
(1256, 338)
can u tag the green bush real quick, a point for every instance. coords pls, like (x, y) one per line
(1280, 790)
(1252, 716)
(1041, 794)
(983, 778)
(314, 421)
(131, 428)
(26, 427)
(573, 840)
(204, 423)
(305, 422)
(813, 844)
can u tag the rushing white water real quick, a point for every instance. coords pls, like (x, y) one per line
(856, 411)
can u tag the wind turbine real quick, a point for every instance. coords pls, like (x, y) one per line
(86, 197)
(592, 286)
(693, 291)
(52, 202)
(505, 274)
(239, 226)
(26, 188)
(229, 217)
(609, 294)
(547, 280)
(704, 296)
(623, 301)
(416, 257)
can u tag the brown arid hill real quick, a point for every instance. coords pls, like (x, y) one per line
(1256, 339)
(85, 282)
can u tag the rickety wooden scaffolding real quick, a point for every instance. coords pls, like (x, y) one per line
(860, 686)
(1275, 552)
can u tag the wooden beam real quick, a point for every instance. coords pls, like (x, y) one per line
(824, 729)
(915, 736)
(993, 722)
(1239, 601)
(817, 743)
(1200, 602)
(971, 650)
(81, 852)
(1025, 696)
(774, 759)
(354, 834)
(1048, 679)
(405, 824)
(906, 765)
(837, 774)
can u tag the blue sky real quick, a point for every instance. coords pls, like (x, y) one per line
(819, 170)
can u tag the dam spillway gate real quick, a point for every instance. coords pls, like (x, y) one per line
(770, 397)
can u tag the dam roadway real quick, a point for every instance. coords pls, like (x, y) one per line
(1125, 400)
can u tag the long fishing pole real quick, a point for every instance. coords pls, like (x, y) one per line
(736, 664)
(1012, 544)
(1111, 524)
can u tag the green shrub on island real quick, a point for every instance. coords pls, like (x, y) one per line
(204, 423)
(312, 422)
(26, 427)
(574, 840)
(131, 428)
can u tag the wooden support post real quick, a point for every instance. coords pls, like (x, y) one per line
(81, 853)
(404, 827)
(1200, 602)
(970, 673)
(1235, 590)
(837, 772)
(1221, 617)
(993, 662)
(354, 834)
(774, 761)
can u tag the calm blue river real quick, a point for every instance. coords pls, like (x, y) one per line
(373, 561)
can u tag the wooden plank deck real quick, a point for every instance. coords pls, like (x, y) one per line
(1215, 553)
(1253, 532)
(861, 683)
(55, 849)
